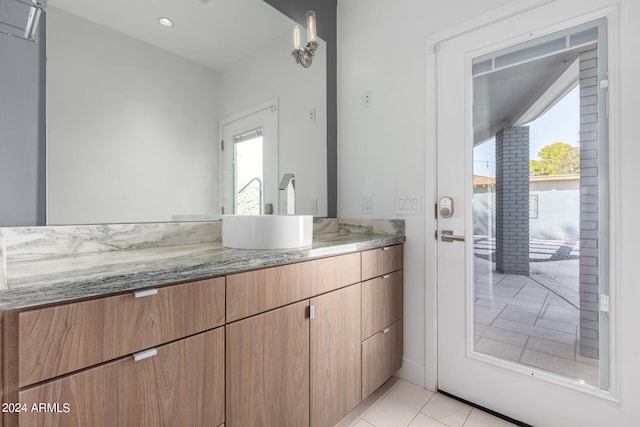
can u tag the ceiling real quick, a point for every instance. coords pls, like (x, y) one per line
(214, 33)
(519, 94)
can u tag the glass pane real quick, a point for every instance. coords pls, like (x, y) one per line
(248, 173)
(536, 215)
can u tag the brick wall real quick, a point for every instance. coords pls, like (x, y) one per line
(589, 328)
(512, 200)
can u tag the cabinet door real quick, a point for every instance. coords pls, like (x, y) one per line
(381, 303)
(336, 372)
(182, 385)
(377, 262)
(268, 369)
(381, 357)
(58, 340)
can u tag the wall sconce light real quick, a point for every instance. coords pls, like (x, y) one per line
(30, 29)
(304, 55)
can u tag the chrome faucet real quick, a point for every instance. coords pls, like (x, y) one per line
(288, 185)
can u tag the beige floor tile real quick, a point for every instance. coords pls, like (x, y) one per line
(447, 410)
(368, 403)
(423, 420)
(479, 418)
(399, 406)
(362, 423)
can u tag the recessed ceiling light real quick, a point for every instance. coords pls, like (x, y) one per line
(165, 22)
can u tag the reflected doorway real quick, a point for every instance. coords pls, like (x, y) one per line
(249, 145)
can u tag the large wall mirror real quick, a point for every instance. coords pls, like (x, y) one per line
(136, 111)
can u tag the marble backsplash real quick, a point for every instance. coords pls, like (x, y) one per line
(38, 243)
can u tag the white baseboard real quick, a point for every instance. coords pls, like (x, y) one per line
(412, 372)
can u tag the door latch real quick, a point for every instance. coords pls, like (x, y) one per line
(448, 236)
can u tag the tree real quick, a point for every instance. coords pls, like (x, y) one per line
(558, 158)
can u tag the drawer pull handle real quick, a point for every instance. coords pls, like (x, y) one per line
(145, 293)
(386, 276)
(385, 330)
(145, 354)
(386, 248)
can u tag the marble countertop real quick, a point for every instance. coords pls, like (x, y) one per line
(93, 274)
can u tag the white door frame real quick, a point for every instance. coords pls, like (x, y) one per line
(271, 157)
(431, 163)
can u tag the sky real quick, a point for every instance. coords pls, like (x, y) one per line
(561, 123)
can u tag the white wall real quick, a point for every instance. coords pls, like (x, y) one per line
(381, 149)
(381, 153)
(273, 73)
(137, 123)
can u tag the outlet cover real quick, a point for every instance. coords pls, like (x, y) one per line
(367, 205)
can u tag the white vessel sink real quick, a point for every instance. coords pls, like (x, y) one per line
(267, 231)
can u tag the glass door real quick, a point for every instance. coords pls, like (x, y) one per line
(522, 218)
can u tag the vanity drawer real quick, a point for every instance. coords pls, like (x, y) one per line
(177, 384)
(257, 291)
(377, 262)
(61, 339)
(381, 302)
(381, 358)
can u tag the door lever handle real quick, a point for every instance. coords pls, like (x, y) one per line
(448, 236)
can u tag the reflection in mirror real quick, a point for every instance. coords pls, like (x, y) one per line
(538, 161)
(135, 110)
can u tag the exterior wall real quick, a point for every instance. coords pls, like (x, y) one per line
(589, 245)
(512, 200)
(558, 210)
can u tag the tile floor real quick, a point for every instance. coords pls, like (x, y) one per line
(401, 404)
(532, 320)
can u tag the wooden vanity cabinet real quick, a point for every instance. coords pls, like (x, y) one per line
(289, 346)
(335, 355)
(64, 338)
(82, 354)
(382, 299)
(268, 369)
(181, 385)
(300, 364)
(1, 368)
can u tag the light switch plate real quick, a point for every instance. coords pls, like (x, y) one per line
(408, 204)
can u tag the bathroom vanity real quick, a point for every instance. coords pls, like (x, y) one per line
(295, 338)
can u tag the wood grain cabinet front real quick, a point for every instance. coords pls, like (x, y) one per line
(382, 301)
(335, 355)
(177, 384)
(61, 339)
(381, 357)
(256, 291)
(267, 378)
(376, 262)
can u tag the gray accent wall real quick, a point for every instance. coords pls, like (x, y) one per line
(22, 130)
